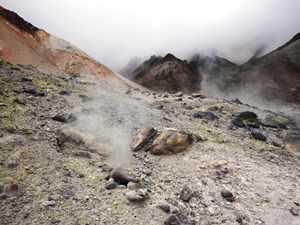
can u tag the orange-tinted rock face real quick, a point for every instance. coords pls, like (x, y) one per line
(23, 43)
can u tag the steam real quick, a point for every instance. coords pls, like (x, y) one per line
(112, 119)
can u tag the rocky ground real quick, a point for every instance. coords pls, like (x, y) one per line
(66, 156)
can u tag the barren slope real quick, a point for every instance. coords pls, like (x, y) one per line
(50, 178)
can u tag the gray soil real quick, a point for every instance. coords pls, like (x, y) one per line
(68, 186)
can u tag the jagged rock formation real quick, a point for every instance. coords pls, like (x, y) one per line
(166, 74)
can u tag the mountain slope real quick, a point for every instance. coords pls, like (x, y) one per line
(23, 43)
(166, 74)
(276, 75)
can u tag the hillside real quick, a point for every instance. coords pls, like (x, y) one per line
(66, 156)
(22, 43)
(166, 74)
(273, 77)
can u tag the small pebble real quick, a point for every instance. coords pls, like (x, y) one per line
(294, 211)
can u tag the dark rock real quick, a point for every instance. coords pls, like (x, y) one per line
(198, 95)
(291, 142)
(178, 219)
(237, 101)
(26, 79)
(186, 194)
(111, 185)
(143, 138)
(19, 101)
(165, 208)
(68, 136)
(122, 178)
(106, 169)
(205, 115)
(247, 115)
(12, 164)
(32, 91)
(258, 136)
(240, 218)
(71, 118)
(85, 98)
(178, 99)
(238, 122)
(65, 118)
(64, 92)
(128, 92)
(253, 125)
(273, 123)
(82, 154)
(227, 195)
(294, 211)
(41, 94)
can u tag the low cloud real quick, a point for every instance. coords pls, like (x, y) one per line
(115, 31)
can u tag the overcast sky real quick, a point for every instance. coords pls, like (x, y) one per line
(114, 31)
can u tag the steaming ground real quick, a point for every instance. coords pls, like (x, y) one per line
(113, 121)
(68, 186)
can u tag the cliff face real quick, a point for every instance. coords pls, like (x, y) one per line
(23, 43)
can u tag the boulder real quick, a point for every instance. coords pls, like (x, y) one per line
(143, 138)
(121, 178)
(247, 115)
(205, 115)
(170, 141)
(273, 123)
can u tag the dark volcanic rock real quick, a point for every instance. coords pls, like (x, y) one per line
(294, 211)
(238, 122)
(292, 142)
(247, 115)
(121, 178)
(19, 101)
(68, 136)
(237, 101)
(227, 195)
(111, 185)
(186, 194)
(205, 115)
(272, 122)
(258, 136)
(143, 138)
(165, 208)
(178, 219)
(82, 154)
(65, 118)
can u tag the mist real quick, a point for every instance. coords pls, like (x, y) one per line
(115, 31)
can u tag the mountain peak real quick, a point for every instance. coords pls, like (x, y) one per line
(18, 21)
(169, 57)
